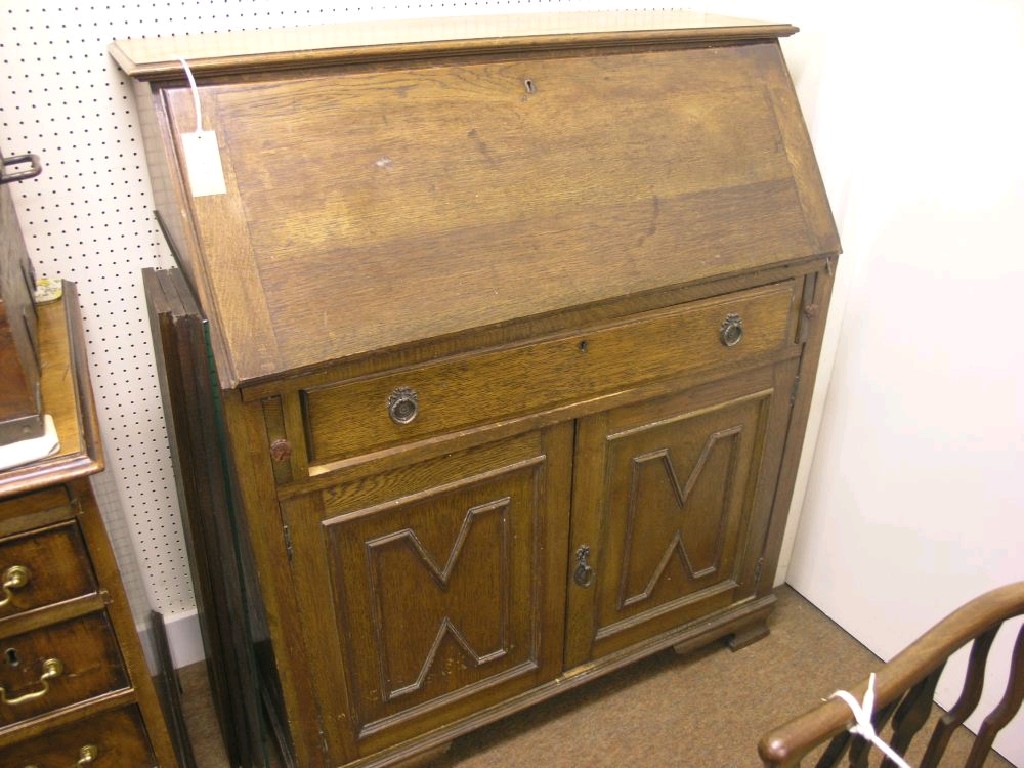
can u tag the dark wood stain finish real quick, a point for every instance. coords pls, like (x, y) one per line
(203, 487)
(903, 692)
(72, 607)
(119, 739)
(538, 244)
(58, 565)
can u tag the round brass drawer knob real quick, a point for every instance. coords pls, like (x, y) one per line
(403, 405)
(731, 331)
(280, 450)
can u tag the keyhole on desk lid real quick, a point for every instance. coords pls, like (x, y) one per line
(11, 657)
(530, 86)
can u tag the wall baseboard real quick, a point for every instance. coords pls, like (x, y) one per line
(183, 636)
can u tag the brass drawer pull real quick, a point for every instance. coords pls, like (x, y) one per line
(731, 331)
(584, 573)
(15, 577)
(403, 405)
(52, 668)
(280, 450)
(86, 756)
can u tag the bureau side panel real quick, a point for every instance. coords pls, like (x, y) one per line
(260, 519)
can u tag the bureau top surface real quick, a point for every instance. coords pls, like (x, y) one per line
(370, 205)
(157, 58)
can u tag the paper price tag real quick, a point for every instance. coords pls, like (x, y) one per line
(202, 161)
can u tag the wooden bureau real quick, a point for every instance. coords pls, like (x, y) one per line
(512, 326)
(74, 686)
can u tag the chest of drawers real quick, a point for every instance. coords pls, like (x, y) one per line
(74, 686)
(510, 339)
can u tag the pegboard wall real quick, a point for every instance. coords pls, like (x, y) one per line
(89, 219)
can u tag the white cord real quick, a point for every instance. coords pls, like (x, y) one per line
(862, 716)
(195, 94)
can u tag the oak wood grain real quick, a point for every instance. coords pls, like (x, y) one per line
(352, 418)
(483, 203)
(461, 606)
(542, 237)
(562, 322)
(242, 52)
(666, 500)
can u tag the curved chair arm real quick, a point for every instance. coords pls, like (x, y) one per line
(918, 665)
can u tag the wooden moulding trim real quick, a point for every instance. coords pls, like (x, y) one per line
(23, 522)
(449, 36)
(694, 635)
(46, 615)
(559, 324)
(321, 476)
(39, 726)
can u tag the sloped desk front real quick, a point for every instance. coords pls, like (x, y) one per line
(513, 340)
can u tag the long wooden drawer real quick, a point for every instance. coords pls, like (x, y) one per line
(456, 393)
(112, 740)
(43, 567)
(57, 666)
(33, 510)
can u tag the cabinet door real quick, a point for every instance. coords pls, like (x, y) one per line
(435, 589)
(672, 499)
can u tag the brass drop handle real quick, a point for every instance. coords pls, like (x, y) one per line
(584, 573)
(731, 331)
(52, 668)
(86, 756)
(15, 577)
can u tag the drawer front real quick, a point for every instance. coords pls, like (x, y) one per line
(113, 740)
(43, 567)
(32, 510)
(457, 393)
(57, 666)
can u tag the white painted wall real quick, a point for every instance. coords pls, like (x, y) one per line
(914, 499)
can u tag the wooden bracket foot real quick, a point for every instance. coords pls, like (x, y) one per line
(747, 635)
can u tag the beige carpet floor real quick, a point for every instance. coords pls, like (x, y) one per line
(704, 710)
